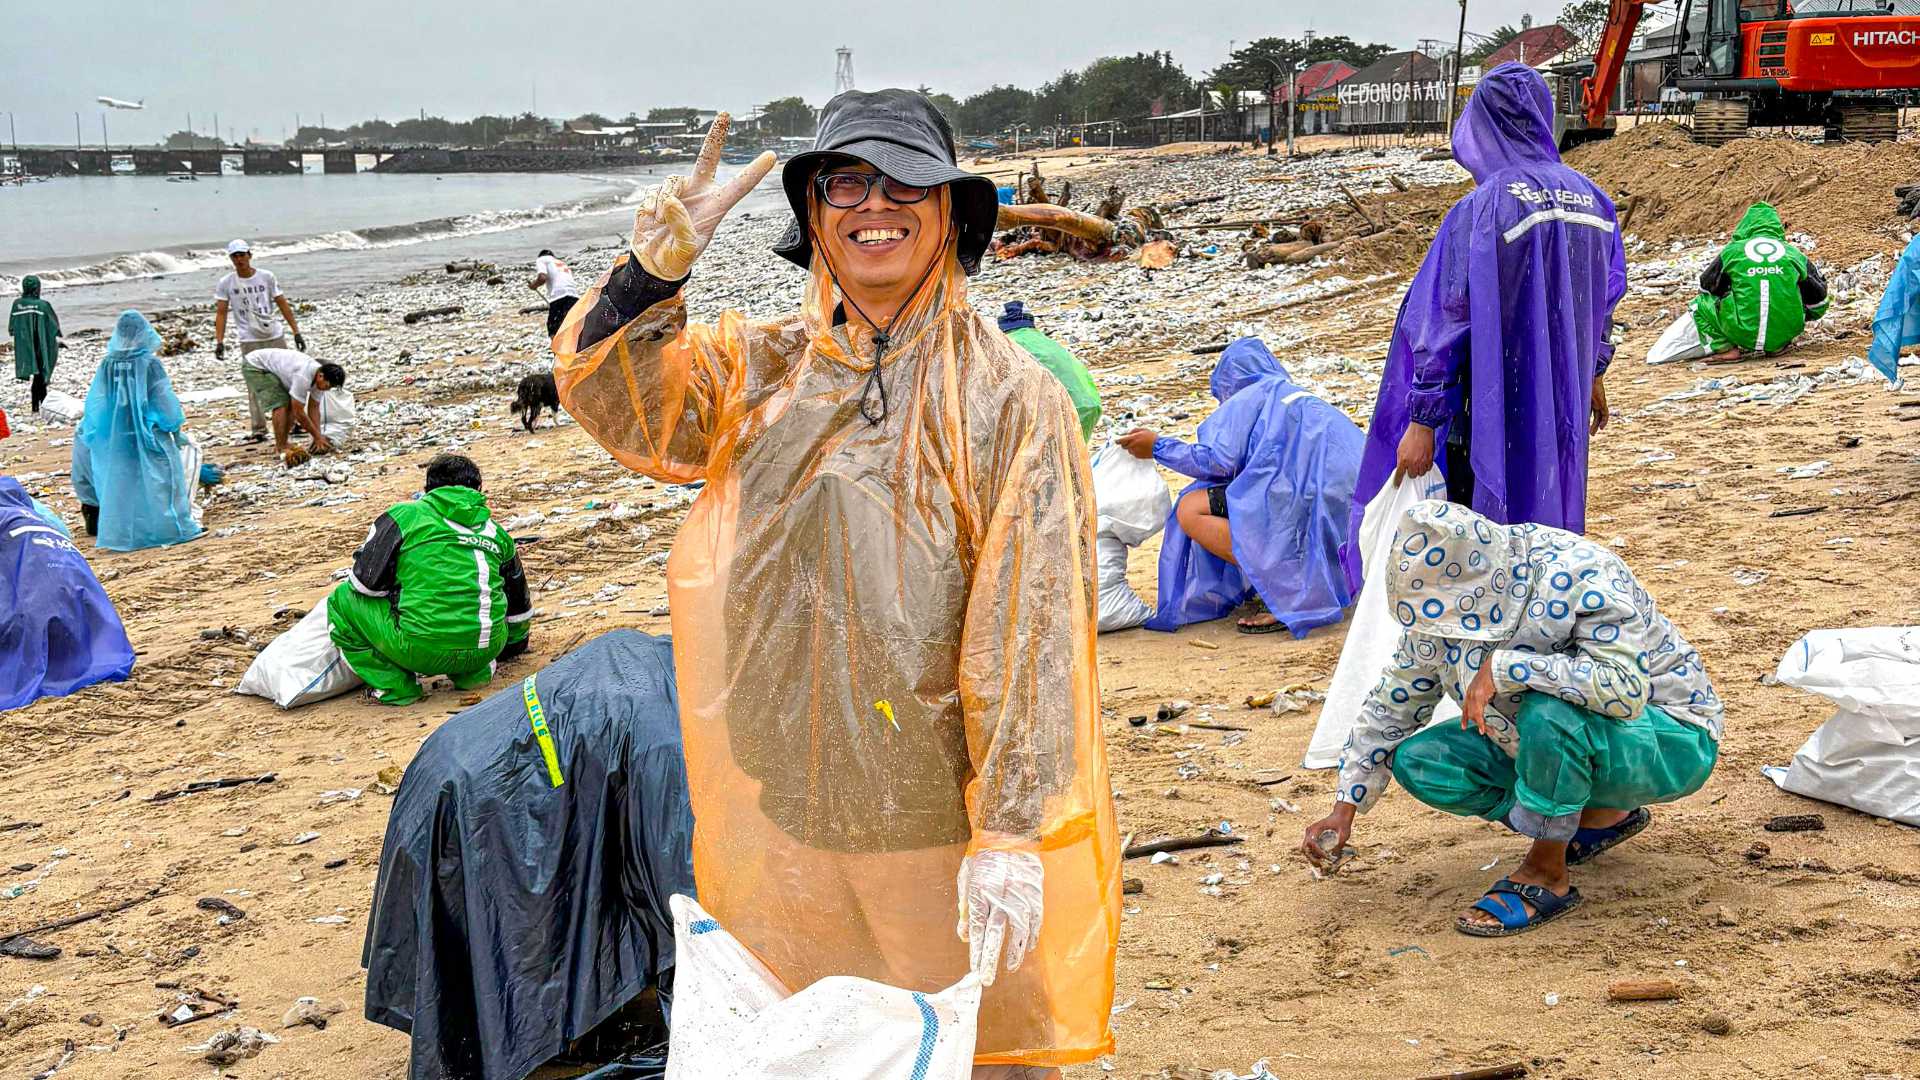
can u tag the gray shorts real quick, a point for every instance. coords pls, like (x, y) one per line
(271, 343)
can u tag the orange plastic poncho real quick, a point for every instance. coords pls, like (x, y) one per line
(884, 639)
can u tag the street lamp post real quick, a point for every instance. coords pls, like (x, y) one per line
(1274, 69)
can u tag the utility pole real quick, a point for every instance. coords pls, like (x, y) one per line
(1459, 55)
(103, 129)
(76, 132)
(216, 132)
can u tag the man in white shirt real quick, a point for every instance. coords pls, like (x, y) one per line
(288, 385)
(252, 296)
(552, 274)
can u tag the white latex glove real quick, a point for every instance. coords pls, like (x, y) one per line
(1001, 897)
(677, 221)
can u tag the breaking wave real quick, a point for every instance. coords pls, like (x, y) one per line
(151, 264)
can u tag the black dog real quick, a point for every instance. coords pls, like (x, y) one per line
(536, 392)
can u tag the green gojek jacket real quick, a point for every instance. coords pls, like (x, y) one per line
(1761, 291)
(450, 571)
(35, 330)
(1068, 369)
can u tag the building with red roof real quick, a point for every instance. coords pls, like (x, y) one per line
(1535, 47)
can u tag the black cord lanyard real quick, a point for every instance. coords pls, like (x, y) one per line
(876, 386)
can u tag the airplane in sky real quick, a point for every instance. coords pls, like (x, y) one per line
(116, 103)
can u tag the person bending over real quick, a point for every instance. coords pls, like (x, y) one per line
(288, 385)
(1273, 470)
(1581, 703)
(436, 589)
(1017, 323)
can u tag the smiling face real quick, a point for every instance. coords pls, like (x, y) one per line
(880, 250)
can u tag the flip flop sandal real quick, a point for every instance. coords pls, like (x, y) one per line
(1587, 844)
(1257, 606)
(1502, 901)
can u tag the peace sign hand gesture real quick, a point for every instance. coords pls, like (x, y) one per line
(677, 221)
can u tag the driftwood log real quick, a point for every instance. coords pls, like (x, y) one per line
(1087, 227)
(412, 317)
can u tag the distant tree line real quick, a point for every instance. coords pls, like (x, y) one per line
(1123, 88)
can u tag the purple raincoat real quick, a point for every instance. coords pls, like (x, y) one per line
(1508, 317)
(1288, 461)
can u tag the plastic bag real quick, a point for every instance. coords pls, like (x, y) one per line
(337, 413)
(1129, 496)
(191, 458)
(1120, 607)
(732, 1017)
(301, 666)
(63, 407)
(1373, 632)
(1867, 756)
(1681, 341)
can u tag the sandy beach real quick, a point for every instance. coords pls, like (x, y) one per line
(1804, 943)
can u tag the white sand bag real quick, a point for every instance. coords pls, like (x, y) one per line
(1372, 632)
(733, 1017)
(1867, 756)
(301, 666)
(337, 413)
(63, 407)
(1681, 341)
(1120, 607)
(191, 457)
(1129, 496)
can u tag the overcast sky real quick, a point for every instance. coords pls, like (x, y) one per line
(258, 63)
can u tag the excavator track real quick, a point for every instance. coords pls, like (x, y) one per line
(1720, 120)
(1865, 121)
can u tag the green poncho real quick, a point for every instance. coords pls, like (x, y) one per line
(35, 329)
(1763, 310)
(1068, 369)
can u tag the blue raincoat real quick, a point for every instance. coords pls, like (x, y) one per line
(1896, 325)
(58, 630)
(1288, 461)
(1506, 324)
(126, 455)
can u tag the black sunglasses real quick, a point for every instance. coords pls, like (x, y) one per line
(846, 190)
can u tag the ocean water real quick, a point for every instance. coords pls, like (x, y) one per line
(104, 244)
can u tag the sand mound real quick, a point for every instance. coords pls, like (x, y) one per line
(1842, 194)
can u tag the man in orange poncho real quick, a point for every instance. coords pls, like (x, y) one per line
(883, 600)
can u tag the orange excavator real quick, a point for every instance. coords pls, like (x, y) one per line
(1843, 65)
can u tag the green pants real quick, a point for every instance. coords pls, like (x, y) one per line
(388, 660)
(265, 388)
(1569, 759)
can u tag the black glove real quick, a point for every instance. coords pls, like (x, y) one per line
(300, 341)
(220, 351)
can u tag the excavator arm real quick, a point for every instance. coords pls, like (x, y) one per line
(1596, 91)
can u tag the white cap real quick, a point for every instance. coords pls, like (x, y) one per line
(238, 246)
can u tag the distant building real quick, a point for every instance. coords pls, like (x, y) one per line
(1539, 47)
(1406, 91)
(1316, 95)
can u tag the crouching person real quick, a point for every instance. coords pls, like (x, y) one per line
(1581, 703)
(1760, 293)
(436, 589)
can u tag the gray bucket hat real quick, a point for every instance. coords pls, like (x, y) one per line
(900, 133)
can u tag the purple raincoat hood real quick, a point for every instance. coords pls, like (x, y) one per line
(1507, 122)
(1244, 362)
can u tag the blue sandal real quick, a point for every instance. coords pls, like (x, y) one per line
(1503, 902)
(1587, 844)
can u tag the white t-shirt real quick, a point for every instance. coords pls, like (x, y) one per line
(295, 370)
(250, 303)
(559, 278)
